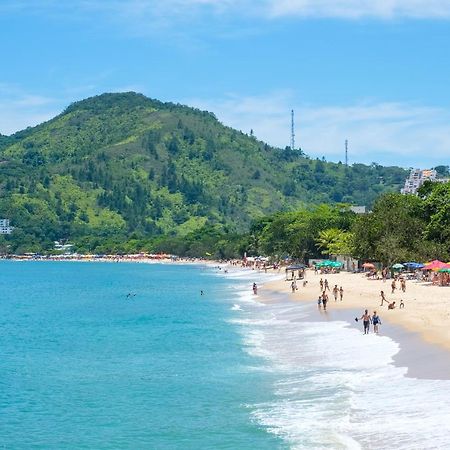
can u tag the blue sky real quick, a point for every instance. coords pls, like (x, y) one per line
(373, 72)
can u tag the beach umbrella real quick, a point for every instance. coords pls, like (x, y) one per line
(413, 265)
(445, 270)
(435, 265)
(336, 264)
(397, 266)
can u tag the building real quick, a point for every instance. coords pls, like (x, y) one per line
(5, 228)
(416, 178)
(60, 247)
(358, 209)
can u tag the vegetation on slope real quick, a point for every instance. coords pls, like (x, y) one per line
(119, 171)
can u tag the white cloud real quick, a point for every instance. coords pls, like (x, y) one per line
(388, 133)
(164, 13)
(353, 9)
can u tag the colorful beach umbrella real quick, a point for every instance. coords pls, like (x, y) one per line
(435, 265)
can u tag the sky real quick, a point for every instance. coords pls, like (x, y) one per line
(374, 72)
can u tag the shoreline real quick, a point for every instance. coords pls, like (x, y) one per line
(424, 352)
(426, 312)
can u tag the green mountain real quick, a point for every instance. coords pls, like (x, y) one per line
(126, 166)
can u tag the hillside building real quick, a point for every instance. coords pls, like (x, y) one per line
(5, 228)
(416, 178)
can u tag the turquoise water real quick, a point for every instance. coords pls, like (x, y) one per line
(84, 366)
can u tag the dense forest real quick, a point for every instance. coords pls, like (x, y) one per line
(122, 172)
(400, 228)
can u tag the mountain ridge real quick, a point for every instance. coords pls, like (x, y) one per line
(127, 165)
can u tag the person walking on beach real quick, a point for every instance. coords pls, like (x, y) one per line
(393, 286)
(335, 292)
(375, 321)
(324, 300)
(326, 285)
(341, 293)
(321, 285)
(293, 286)
(319, 301)
(383, 298)
(366, 321)
(403, 284)
(255, 288)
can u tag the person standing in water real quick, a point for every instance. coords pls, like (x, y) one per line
(255, 288)
(366, 321)
(375, 321)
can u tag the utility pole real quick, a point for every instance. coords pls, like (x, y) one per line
(292, 131)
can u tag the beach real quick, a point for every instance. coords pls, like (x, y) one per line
(426, 311)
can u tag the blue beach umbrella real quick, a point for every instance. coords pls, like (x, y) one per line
(413, 265)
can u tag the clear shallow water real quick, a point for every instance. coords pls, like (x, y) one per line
(82, 366)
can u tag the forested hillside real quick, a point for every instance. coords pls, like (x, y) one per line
(123, 167)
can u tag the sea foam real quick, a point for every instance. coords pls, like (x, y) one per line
(337, 388)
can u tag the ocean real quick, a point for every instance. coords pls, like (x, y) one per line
(118, 355)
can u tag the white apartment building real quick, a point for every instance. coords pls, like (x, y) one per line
(416, 178)
(5, 228)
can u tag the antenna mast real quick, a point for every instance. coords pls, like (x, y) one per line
(346, 152)
(292, 131)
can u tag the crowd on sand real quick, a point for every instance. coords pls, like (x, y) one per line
(425, 300)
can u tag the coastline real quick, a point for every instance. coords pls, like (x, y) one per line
(424, 350)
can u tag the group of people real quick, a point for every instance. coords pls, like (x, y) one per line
(323, 297)
(402, 285)
(368, 319)
(391, 305)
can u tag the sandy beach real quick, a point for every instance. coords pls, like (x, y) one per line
(426, 311)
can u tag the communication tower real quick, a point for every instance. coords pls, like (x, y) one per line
(292, 130)
(346, 152)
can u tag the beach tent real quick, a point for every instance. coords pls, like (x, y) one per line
(296, 267)
(290, 270)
